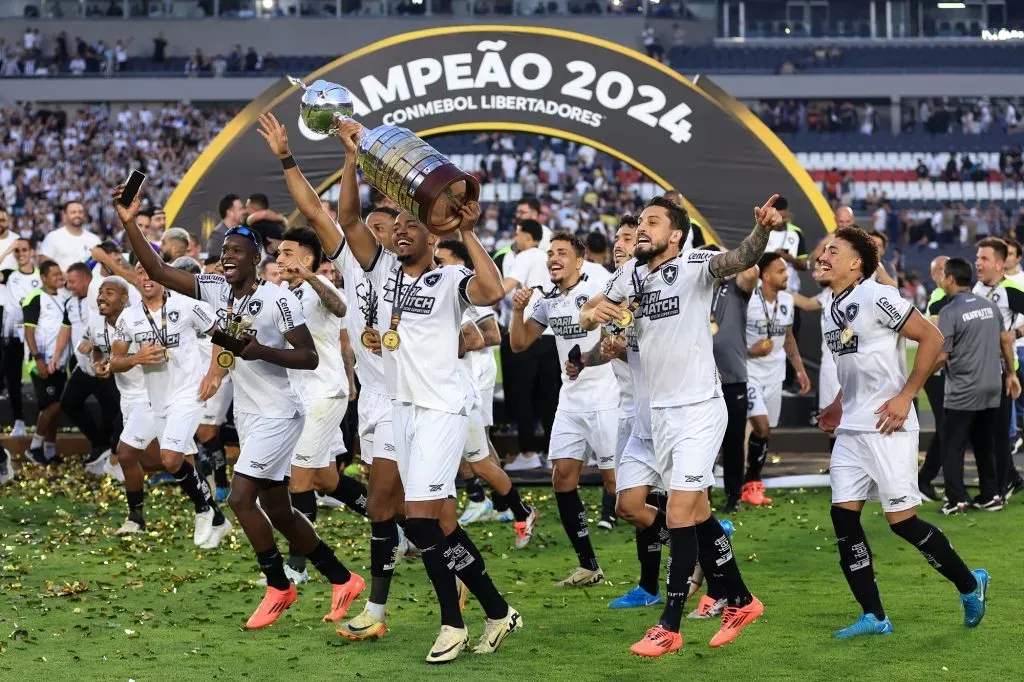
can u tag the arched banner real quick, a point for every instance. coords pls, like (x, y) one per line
(684, 135)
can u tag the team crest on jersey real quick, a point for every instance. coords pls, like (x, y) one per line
(431, 279)
(581, 300)
(36, 284)
(670, 272)
(298, 293)
(255, 307)
(851, 312)
(173, 316)
(783, 309)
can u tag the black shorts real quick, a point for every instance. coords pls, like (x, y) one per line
(49, 390)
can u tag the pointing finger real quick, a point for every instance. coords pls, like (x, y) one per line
(771, 202)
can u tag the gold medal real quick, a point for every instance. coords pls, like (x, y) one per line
(225, 359)
(714, 327)
(625, 321)
(390, 340)
(767, 345)
(367, 338)
(846, 335)
(167, 355)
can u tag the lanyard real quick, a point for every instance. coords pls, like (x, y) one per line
(161, 334)
(775, 311)
(991, 296)
(719, 293)
(229, 310)
(401, 300)
(371, 304)
(838, 316)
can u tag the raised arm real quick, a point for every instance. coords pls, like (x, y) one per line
(115, 264)
(302, 193)
(485, 289)
(746, 255)
(172, 278)
(360, 238)
(806, 303)
(522, 333)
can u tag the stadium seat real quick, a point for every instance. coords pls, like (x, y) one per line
(981, 191)
(995, 190)
(955, 191)
(941, 191)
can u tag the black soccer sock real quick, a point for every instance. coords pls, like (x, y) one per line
(352, 493)
(856, 560)
(574, 521)
(715, 552)
(681, 562)
(607, 505)
(657, 500)
(428, 536)
(325, 561)
(757, 454)
(305, 504)
(648, 551)
(217, 460)
(272, 564)
(465, 559)
(383, 557)
(135, 504)
(198, 490)
(500, 501)
(934, 546)
(514, 502)
(475, 490)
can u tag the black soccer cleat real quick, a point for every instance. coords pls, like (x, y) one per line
(993, 504)
(951, 509)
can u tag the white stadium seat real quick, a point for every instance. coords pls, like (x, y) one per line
(900, 190)
(927, 190)
(501, 191)
(913, 191)
(814, 161)
(828, 161)
(968, 191)
(941, 191)
(487, 192)
(956, 192)
(860, 191)
(995, 191)
(981, 191)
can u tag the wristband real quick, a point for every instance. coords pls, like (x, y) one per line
(288, 162)
(1017, 334)
(38, 356)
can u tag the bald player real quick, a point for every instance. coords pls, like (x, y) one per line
(935, 389)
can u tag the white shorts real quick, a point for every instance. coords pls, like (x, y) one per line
(690, 436)
(175, 430)
(267, 445)
(139, 430)
(322, 427)
(476, 449)
(828, 379)
(430, 446)
(338, 442)
(639, 466)
(868, 465)
(215, 410)
(764, 401)
(572, 432)
(375, 427)
(626, 422)
(487, 404)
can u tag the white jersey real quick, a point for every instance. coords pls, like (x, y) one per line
(177, 380)
(131, 384)
(768, 321)
(328, 380)
(18, 287)
(79, 315)
(467, 367)
(624, 379)
(64, 248)
(359, 290)
(596, 272)
(872, 365)
(48, 315)
(261, 388)
(485, 368)
(595, 388)
(424, 369)
(1018, 277)
(673, 326)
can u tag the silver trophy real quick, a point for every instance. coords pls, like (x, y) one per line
(399, 164)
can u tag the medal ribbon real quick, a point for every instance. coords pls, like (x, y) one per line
(719, 293)
(229, 310)
(774, 315)
(838, 316)
(163, 322)
(402, 298)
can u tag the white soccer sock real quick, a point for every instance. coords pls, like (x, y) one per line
(376, 610)
(37, 440)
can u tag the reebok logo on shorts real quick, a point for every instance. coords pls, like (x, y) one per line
(436, 487)
(897, 500)
(389, 447)
(258, 465)
(605, 460)
(694, 479)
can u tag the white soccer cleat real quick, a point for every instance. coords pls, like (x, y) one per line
(582, 577)
(217, 534)
(403, 545)
(98, 467)
(113, 470)
(327, 501)
(450, 641)
(495, 631)
(6, 467)
(129, 527)
(297, 577)
(204, 526)
(19, 430)
(476, 511)
(524, 463)
(524, 529)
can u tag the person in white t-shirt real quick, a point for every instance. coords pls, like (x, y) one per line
(423, 306)
(164, 328)
(18, 283)
(528, 208)
(667, 294)
(876, 427)
(587, 415)
(71, 242)
(268, 412)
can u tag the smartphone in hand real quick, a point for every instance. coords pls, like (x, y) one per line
(131, 187)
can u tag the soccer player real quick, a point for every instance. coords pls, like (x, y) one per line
(876, 426)
(324, 392)
(770, 314)
(479, 451)
(164, 328)
(47, 337)
(385, 497)
(668, 295)
(587, 414)
(18, 283)
(978, 360)
(268, 412)
(1008, 296)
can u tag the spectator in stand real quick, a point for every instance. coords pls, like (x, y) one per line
(251, 60)
(597, 248)
(231, 215)
(159, 48)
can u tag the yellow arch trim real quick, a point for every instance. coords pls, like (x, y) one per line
(278, 92)
(709, 233)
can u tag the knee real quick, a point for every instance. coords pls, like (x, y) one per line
(419, 531)
(378, 509)
(563, 481)
(844, 520)
(241, 501)
(626, 510)
(170, 460)
(281, 516)
(761, 430)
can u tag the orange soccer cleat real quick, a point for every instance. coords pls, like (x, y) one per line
(734, 619)
(657, 642)
(274, 603)
(753, 493)
(342, 597)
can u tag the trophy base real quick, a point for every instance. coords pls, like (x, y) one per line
(440, 196)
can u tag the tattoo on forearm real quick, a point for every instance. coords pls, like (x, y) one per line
(742, 257)
(593, 356)
(330, 299)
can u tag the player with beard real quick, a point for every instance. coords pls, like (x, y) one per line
(667, 294)
(385, 497)
(420, 309)
(325, 392)
(163, 330)
(587, 414)
(876, 426)
(479, 452)
(268, 412)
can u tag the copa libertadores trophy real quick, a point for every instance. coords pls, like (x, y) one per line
(399, 164)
